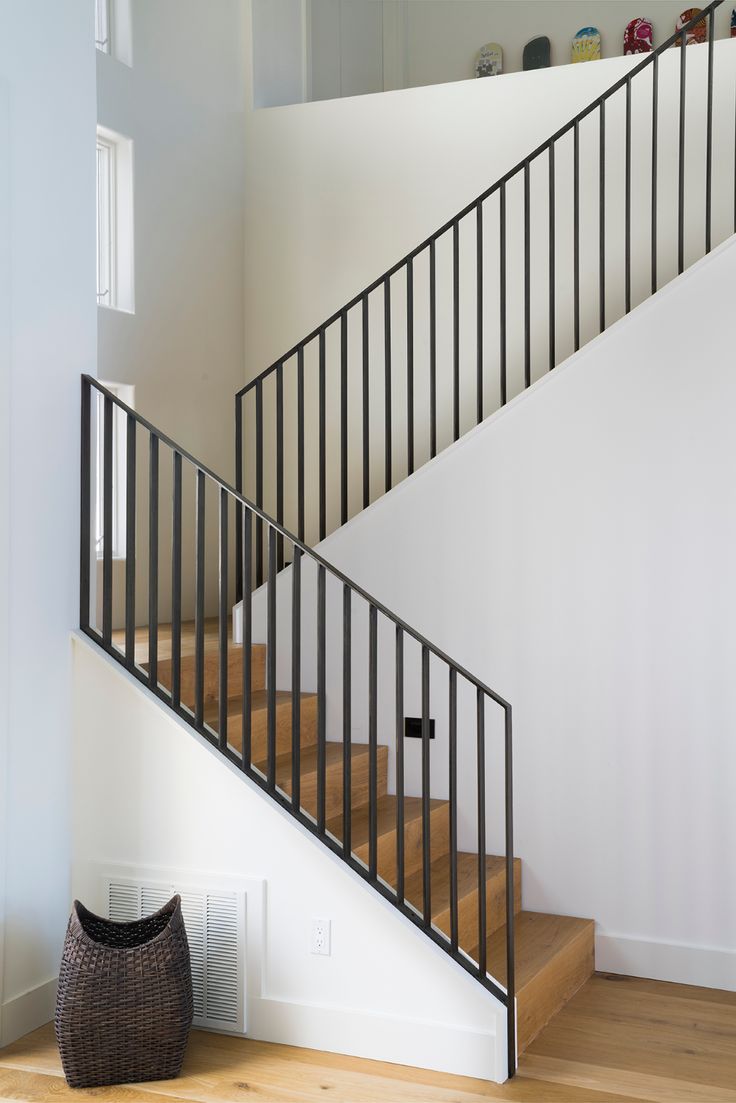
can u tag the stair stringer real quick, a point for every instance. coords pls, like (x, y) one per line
(548, 547)
(151, 792)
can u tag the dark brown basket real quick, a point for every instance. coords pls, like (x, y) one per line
(124, 1007)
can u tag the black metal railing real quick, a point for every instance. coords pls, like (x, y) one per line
(146, 603)
(596, 218)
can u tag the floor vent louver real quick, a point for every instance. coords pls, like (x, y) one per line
(215, 924)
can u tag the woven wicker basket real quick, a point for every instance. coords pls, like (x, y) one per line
(124, 1007)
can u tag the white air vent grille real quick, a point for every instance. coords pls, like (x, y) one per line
(215, 924)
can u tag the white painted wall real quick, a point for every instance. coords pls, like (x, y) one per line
(279, 52)
(47, 338)
(576, 553)
(339, 191)
(182, 104)
(149, 793)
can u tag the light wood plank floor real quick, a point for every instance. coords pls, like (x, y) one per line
(619, 1039)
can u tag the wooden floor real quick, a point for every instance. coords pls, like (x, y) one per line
(619, 1039)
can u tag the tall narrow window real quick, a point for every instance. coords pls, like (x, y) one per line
(114, 220)
(103, 26)
(105, 222)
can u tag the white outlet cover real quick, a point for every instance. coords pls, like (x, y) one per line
(321, 937)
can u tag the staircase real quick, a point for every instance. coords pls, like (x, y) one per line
(193, 544)
(554, 954)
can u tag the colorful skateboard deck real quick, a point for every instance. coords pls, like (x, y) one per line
(490, 60)
(696, 33)
(537, 53)
(638, 37)
(586, 45)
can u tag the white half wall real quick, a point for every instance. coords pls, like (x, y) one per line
(151, 794)
(47, 339)
(575, 552)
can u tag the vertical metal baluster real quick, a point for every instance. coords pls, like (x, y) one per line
(296, 678)
(627, 244)
(239, 488)
(153, 563)
(176, 584)
(347, 793)
(322, 437)
(300, 441)
(321, 696)
(399, 764)
(199, 568)
(343, 417)
(246, 725)
(388, 430)
(510, 895)
(280, 460)
(502, 293)
(527, 281)
(85, 505)
(222, 624)
(709, 136)
(482, 923)
(552, 272)
(373, 740)
(259, 481)
(452, 698)
(655, 123)
(455, 330)
(426, 793)
(107, 521)
(576, 234)
(271, 659)
(130, 525)
(410, 366)
(681, 160)
(432, 349)
(602, 218)
(366, 409)
(479, 310)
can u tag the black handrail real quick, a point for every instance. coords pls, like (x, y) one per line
(381, 286)
(208, 711)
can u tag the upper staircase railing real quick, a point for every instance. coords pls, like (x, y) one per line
(614, 204)
(165, 519)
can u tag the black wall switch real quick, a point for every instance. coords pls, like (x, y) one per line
(413, 727)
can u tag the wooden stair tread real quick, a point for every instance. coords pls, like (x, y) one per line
(308, 759)
(386, 813)
(258, 700)
(467, 879)
(211, 638)
(538, 937)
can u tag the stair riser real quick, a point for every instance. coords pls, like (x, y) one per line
(333, 784)
(259, 729)
(552, 987)
(439, 836)
(467, 909)
(212, 674)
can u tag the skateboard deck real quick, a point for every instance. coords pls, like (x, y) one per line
(537, 53)
(490, 60)
(586, 45)
(696, 33)
(638, 37)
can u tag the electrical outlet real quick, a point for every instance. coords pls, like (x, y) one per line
(321, 937)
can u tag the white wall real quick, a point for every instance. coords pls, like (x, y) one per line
(277, 42)
(47, 338)
(182, 104)
(149, 793)
(576, 553)
(338, 191)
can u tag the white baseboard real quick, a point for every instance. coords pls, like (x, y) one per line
(440, 1047)
(28, 1011)
(683, 964)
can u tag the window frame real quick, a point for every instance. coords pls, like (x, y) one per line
(103, 26)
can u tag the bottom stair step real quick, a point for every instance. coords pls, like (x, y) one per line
(555, 955)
